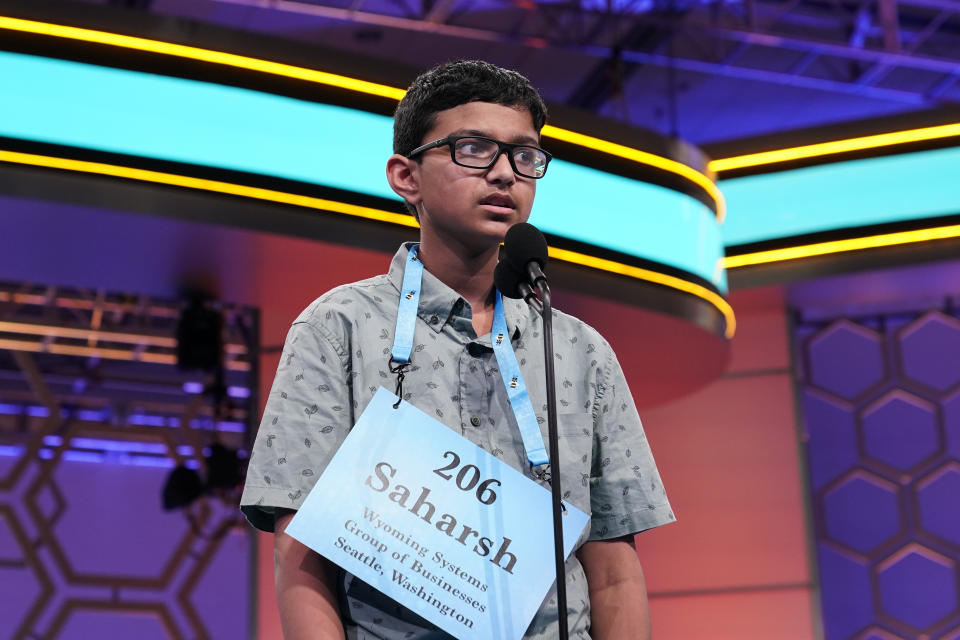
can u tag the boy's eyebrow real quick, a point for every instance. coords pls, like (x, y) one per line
(519, 139)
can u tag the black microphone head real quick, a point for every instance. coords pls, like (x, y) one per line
(507, 279)
(524, 243)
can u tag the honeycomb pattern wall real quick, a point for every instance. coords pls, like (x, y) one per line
(881, 411)
(87, 552)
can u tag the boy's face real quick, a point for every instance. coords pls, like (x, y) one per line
(474, 207)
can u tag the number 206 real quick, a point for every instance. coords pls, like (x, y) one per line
(468, 477)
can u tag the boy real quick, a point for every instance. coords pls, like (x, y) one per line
(466, 161)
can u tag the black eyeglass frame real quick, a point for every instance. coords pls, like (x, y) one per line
(502, 147)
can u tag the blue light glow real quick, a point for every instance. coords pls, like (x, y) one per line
(230, 427)
(148, 421)
(911, 186)
(212, 125)
(112, 458)
(631, 217)
(119, 445)
(90, 415)
(238, 392)
(194, 122)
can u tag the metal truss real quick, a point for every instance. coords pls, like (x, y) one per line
(103, 366)
(93, 324)
(899, 50)
(89, 391)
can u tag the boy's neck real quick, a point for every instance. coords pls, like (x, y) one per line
(469, 273)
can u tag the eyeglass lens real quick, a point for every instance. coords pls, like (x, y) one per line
(479, 153)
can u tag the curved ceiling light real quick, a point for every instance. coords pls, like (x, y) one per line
(652, 276)
(841, 246)
(217, 186)
(202, 55)
(282, 197)
(348, 83)
(642, 157)
(880, 140)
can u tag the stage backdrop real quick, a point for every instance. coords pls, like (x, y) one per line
(881, 405)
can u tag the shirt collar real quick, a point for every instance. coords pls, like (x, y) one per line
(439, 301)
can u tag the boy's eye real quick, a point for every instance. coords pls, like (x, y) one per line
(525, 156)
(473, 147)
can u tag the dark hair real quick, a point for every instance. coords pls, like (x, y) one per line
(453, 84)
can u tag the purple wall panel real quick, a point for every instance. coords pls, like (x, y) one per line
(881, 403)
(112, 523)
(225, 582)
(86, 624)
(87, 552)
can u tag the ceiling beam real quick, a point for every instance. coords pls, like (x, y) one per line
(890, 21)
(763, 39)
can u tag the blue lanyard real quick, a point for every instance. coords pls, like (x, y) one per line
(502, 349)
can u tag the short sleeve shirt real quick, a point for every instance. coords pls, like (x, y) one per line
(336, 357)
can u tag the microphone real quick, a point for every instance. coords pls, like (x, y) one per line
(525, 249)
(525, 257)
(507, 280)
(512, 284)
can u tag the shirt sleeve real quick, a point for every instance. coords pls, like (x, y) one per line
(307, 417)
(626, 493)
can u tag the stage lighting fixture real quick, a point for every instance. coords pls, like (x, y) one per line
(200, 336)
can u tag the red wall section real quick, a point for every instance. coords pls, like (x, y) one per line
(285, 275)
(735, 565)
(733, 616)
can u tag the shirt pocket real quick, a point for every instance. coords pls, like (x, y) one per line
(575, 433)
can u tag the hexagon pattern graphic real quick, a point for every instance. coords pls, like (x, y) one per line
(930, 351)
(899, 578)
(878, 634)
(862, 512)
(937, 499)
(901, 430)
(89, 553)
(87, 445)
(846, 359)
(882, 416)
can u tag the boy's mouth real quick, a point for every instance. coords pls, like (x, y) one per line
(499, 201)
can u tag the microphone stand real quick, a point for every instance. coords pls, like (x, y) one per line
(544, 307)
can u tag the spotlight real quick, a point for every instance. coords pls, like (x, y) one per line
(200, 336)
(184, 485)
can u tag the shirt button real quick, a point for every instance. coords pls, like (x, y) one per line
(434, 319)
(475, 421)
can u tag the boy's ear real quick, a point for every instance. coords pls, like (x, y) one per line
(402, 174)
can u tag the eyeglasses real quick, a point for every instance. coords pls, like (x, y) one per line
(481, 153)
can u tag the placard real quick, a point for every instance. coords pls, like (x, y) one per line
(441, 526)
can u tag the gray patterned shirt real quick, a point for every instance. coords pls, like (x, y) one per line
(334, 360)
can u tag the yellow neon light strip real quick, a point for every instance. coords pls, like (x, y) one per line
(641, 157)
(343, 82)
(652, 276)
(840, 246)
(208, 185)
(837, 146)
(87, 334)
(352, 210)
(203, 55)
(99, 352)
